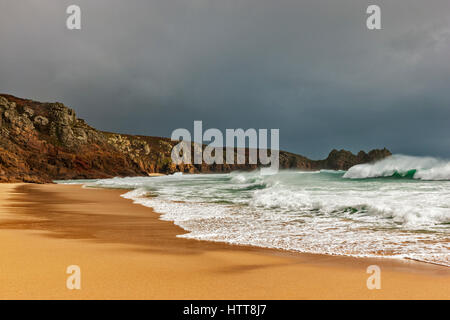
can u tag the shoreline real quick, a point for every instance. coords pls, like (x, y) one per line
(275, 251)
(114, 238)
(287, 251)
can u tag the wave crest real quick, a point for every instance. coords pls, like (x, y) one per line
(401, 166)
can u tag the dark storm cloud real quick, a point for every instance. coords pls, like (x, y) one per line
(310, 68)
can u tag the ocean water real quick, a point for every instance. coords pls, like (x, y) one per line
(396, 208)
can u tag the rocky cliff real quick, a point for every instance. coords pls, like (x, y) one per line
(41, 142)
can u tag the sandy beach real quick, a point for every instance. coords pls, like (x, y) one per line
(125, 252)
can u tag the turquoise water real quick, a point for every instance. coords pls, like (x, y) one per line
(383, 209)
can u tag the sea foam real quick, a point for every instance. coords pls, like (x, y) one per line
(315, 212)
(423, 168)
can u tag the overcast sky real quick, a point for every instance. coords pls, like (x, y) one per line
(308, 67)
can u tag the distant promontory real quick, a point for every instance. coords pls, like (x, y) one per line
(41, 142)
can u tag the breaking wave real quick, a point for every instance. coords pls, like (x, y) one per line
(401, 166)
(363, 215)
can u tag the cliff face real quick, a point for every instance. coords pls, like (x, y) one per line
(41, 142)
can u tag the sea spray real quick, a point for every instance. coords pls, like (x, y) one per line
(401, 166)
(315, 212)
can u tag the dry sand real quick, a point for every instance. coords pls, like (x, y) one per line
(125, 252)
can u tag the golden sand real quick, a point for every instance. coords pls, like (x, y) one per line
(125, 252)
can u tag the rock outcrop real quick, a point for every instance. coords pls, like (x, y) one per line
(344, 160)
(41, 142)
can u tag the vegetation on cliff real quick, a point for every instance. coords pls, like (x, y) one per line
(41, 142)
